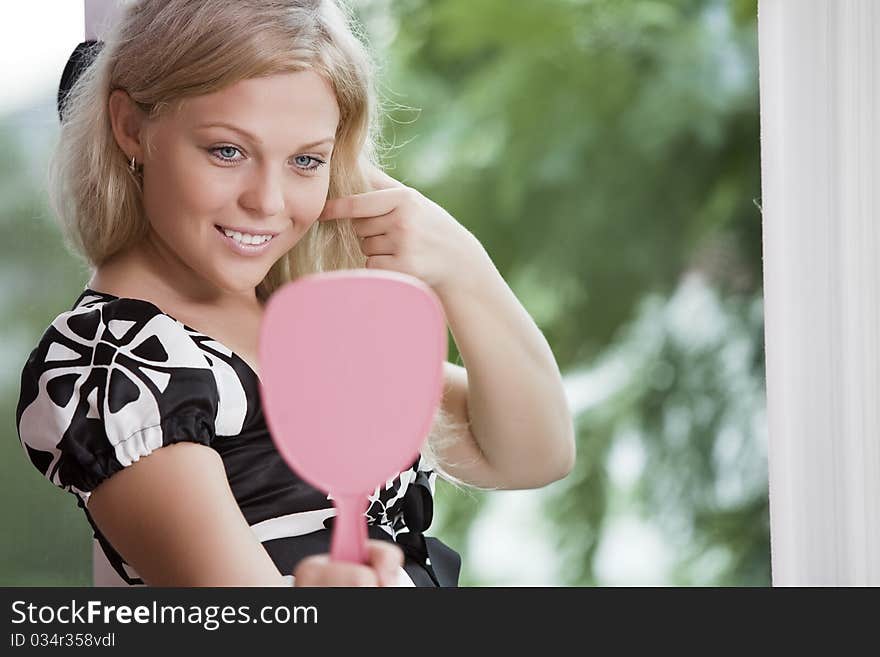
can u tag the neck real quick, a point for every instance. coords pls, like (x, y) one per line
(149, 270)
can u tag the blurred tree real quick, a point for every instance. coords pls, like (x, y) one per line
(41, 279)
(690, 395)
(599, 149)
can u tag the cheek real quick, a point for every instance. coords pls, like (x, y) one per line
(179, 185)
(310, 204)
(201, 187)
(316, 206)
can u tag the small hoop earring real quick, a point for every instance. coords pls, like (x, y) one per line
(132, 166)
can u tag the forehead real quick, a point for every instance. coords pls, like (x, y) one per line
(299, 105)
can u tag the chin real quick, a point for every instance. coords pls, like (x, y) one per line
(241, 286)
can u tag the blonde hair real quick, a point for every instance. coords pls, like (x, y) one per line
(162, 53)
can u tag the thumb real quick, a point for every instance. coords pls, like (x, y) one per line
(386, 559)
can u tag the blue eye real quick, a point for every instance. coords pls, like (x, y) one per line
(223, 158)
(226, 154)
(319, 163)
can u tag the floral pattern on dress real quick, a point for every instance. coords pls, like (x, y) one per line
(101, 379)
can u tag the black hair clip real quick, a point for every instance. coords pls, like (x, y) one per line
(79, 60)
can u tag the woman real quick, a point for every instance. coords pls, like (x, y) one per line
(211, 152)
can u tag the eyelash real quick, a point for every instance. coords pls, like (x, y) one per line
(228, 162)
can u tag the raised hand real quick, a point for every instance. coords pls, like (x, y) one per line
(402, 230)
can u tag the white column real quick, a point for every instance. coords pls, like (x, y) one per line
(820, 151)
(100, 15)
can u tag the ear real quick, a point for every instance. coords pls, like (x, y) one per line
(127, 122)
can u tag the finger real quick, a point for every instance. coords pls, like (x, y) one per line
(319, 570)
(377, 245)
(387, 560)
(386, 262)
(372, 226)
(308, 571)
(369, 204)
(342, 573)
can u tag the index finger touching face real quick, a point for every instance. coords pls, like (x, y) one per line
(368, 204)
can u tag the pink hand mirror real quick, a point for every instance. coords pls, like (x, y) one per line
(351, 369)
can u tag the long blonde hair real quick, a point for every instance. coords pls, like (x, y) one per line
(162, 53)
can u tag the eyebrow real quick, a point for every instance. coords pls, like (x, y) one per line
(253, 138)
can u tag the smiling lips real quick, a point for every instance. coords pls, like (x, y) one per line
(245, 244)
(247, 231)
(243, 237)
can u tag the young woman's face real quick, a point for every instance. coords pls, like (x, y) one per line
(266, 171)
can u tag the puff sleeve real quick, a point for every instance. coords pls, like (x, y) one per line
(107, 384)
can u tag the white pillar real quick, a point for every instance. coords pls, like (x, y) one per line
(100, 15)
(820, 151)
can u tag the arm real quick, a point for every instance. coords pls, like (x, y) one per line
(520, 432)
(173, 517)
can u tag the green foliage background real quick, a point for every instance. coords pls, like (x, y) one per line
(606, 153)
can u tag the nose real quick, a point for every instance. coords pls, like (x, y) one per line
(264, 194)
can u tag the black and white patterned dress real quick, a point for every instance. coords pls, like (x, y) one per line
(115, 378)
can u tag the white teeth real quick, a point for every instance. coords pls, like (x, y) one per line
(244, 238)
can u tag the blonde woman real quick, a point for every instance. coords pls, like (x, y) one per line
(211, 151)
